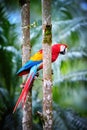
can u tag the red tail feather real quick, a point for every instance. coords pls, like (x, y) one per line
(24, 93)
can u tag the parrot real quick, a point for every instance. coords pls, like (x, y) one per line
(35, 64)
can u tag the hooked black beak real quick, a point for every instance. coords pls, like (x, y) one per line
(64, 51)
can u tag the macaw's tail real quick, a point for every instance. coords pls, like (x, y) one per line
(27, 87)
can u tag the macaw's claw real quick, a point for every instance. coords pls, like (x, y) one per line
(22, 85)
(36, 76)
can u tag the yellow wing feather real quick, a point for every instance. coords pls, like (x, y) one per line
(37, 57)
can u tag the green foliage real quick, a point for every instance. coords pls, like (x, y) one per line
(67, 119)
(7, 119)
(9, 57)
(9, 54)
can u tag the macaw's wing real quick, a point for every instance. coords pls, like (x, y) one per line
(34, 60)
(26, 68)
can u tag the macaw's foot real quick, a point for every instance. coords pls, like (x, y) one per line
(22, 85)
(36, 76)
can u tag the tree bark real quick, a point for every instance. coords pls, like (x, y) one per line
(47, 80)
(26, 49)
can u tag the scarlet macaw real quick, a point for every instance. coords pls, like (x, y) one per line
(33, 65)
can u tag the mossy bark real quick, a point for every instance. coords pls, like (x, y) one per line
(26, 49)
(47, 80)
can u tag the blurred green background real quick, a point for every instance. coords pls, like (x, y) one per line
(69, 25)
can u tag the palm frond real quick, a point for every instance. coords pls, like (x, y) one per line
(68, 119)
(7, 119)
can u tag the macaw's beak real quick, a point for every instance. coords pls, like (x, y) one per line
(64, 51)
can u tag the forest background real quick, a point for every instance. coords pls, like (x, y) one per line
(69, 25)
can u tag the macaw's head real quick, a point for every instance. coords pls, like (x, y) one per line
(63, 48)
(58, 49)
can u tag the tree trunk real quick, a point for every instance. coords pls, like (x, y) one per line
(26, 49)
(47, 80)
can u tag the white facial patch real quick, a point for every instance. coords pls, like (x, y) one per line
(62, 48)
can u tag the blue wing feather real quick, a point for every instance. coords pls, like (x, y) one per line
(27, 66)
